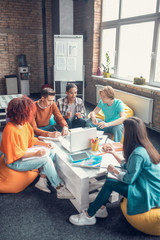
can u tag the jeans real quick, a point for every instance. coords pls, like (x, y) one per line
(103, 196)
(116, 130)
(79, 122)
(52, 128)
(45, 163)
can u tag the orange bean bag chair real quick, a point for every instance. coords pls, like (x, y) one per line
(12, 181)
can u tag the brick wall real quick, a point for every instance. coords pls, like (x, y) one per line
(21, 33)
(88, 18)
(84, 24)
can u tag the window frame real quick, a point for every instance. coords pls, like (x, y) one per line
(154, 17)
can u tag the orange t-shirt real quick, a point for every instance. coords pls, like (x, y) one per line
(15, 141)
(42, 117)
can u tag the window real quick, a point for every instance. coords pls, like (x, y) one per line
(131, 35)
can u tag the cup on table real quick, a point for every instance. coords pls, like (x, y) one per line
(95, 145)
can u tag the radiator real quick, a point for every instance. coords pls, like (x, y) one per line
(142, 106)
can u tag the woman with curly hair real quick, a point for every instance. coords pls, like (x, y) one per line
(18, 136)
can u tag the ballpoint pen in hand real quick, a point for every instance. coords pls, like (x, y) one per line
(55, 128)
(56, 131)
(106, 139)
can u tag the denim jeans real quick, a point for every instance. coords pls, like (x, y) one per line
(116, 130)
(44, 163)
(79, 122)
(52, 128)
(103, 196)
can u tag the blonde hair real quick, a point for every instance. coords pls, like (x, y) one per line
(108, 91)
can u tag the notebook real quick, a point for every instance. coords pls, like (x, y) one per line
(91, 162)
(79, 139)
(58, 139)
(96, 161)
(35, 149)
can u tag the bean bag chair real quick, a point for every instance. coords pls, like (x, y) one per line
(148, 222)
(12, 181)
(128, 113)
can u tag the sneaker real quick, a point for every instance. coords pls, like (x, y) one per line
(82, 219)
(63, 193)
(101, 213)
(42, 185)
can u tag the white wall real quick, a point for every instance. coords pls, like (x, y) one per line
(66, 17)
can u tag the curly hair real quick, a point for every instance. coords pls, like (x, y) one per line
(20, 110)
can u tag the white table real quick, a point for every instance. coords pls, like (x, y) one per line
(79, 181)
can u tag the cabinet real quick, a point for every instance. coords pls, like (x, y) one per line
(11, 84)
(23, 80)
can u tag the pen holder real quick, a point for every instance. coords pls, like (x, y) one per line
(95, 146)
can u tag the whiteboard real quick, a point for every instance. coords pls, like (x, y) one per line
(68, 58)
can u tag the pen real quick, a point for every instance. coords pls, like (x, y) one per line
(106, 139)
(118, 167)
(55, 128)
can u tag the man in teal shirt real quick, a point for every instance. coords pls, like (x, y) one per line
(113, 110)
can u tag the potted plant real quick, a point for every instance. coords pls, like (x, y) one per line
(106, 67)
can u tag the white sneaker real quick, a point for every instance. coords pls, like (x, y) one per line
(101, 213)
(63, 193)
(42, 185)
(82, 219)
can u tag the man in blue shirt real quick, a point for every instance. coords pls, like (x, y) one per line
(113, 110)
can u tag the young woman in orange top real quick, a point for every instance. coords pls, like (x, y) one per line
(18, 136)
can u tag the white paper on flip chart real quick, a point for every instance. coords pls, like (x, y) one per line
(71, 64)
(60, 48)
(72, 49)
(61, 63)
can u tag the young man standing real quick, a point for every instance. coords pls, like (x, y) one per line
(45, 108)
(72, 108)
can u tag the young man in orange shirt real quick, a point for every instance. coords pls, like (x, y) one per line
(46, 108)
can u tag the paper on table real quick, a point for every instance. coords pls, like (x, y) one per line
(58, 139)
(35, 149)
(108, 159)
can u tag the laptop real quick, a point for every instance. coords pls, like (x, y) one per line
(79, 139)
